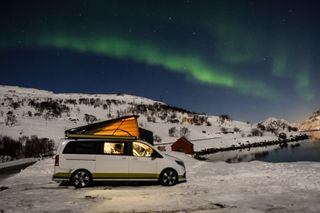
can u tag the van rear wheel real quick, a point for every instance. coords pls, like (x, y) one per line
(168, 177)
(81, 178)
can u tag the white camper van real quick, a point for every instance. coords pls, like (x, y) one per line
(82, 161)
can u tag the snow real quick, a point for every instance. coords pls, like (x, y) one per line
(54, 128)
(210, 136)
(272, 120)
(219, 187)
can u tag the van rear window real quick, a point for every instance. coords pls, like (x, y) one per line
(80, 147)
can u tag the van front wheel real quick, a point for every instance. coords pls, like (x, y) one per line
(168, 177)
(81, 178)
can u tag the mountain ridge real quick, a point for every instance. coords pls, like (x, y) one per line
(28, 111)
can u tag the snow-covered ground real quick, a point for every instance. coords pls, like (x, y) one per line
(211, 187)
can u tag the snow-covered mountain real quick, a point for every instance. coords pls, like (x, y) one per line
(312, 123)
(275, 124)
(26, 112)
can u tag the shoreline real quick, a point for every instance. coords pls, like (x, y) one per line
(281, 142)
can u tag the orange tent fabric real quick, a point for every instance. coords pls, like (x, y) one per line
(121, 127)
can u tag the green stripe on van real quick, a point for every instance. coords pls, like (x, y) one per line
(125, 176)
(117, 176)
(62, 175)
(143, 176)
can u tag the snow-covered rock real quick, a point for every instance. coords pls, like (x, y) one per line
(276, 124)
(312, 123)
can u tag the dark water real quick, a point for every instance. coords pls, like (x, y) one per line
(298, 151)
(307, 151)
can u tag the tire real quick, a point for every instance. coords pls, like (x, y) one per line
(168, 177)
(81, 178)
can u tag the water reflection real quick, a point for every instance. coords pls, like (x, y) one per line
(298, 151)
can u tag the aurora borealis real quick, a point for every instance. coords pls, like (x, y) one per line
(249, 59)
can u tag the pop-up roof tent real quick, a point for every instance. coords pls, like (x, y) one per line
(124, 128)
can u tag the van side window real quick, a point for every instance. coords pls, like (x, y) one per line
(80, 147)
(141, 150)
(113, 148)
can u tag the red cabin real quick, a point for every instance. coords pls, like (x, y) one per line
(183, 145)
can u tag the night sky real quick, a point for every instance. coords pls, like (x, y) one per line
(248, 59)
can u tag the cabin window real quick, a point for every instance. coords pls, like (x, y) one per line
(80, 147)
(113, 148)
(141, 150)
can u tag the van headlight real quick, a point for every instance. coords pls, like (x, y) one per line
(181, 163)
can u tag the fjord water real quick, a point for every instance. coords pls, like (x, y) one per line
(307, 150)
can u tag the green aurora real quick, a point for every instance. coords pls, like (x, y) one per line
(252, 56)
(191, 65)
(151, 55)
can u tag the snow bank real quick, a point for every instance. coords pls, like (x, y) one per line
(218, 187)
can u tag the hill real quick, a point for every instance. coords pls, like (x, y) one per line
(27, 112)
